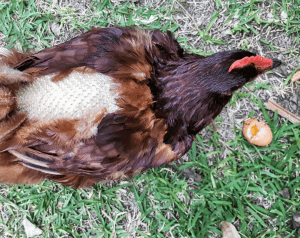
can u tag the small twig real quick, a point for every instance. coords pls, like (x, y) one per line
(282, 112)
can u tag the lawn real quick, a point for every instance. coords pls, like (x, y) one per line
(223, 177)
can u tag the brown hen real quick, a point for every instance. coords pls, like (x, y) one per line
(110, 103)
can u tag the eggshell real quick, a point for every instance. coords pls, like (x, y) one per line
(263, 137)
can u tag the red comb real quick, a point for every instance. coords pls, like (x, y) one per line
(257, 60)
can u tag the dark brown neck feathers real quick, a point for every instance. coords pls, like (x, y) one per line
(180, 96)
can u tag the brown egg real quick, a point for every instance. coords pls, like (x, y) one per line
(257, 132)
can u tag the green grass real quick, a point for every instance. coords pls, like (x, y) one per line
(24, 23)
(241, 182)
(285, 14)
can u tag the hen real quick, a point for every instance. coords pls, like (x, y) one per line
(110, 103)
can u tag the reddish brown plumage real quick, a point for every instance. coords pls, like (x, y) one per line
(163, 98)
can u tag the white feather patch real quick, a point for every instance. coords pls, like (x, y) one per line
(75, 97)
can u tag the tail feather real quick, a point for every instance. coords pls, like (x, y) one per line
(13, 172)
(36, 160)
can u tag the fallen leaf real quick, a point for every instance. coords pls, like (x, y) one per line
(150, 20)
(229, 231)
(55, 28)
(296, 77)
(296, 220)
(283, 16)
(285, 193)
(30, 229)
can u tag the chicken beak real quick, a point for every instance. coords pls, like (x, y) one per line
(275, 64)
